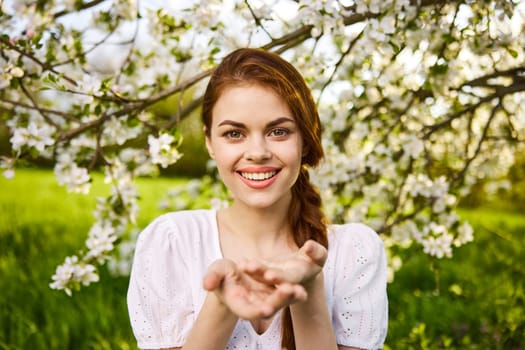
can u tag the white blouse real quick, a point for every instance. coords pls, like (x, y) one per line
(173, 254)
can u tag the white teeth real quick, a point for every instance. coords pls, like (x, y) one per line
(258, 176)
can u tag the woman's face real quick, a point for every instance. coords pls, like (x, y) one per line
(256, 144)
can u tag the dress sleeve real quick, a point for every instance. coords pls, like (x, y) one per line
(159, 299)
(360, 313)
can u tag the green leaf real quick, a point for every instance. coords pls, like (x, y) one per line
(395, 47)
(512, 52)
(439, 69)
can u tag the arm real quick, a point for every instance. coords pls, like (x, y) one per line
(161, 294)
(215, 321)
(232, 295)
(360, 304)
(311, 319)
(312, 315)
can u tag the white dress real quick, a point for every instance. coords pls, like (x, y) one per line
(173, 254)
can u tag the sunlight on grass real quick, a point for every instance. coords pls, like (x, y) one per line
(476, 302)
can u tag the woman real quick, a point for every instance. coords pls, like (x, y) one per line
(266, 272)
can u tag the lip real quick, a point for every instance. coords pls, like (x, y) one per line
(258, 169)
(258, 184)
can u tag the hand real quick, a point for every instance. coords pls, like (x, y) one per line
(247, 297)
(301, 267)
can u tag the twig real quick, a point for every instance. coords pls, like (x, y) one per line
(134, 106)
(45, 66)
(37, 107)
(257, 20)
(40, 109)
(84, 6)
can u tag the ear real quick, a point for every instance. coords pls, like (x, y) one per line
(208, 146)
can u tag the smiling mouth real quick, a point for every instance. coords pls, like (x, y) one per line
(259, 176)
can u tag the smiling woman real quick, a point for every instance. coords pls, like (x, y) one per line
(268, 271)
(253, 138)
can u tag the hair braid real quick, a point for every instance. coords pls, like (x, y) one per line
(308, 222)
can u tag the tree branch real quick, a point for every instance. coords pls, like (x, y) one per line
(45, 66)
(304, 32)
(84, 6)
(517, 74)
(339, 63)
(257, 20)
(134, 106)
(92, 48)
(482, 139)
(40, 109)
(37, 107)
(184, 112)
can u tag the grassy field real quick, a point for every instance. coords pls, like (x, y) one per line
(474, 301)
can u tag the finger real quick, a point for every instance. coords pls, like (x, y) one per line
(252, 267)
(275, 276)
(297, 292)
(315, 251)
(262, 272)
(249, 308)
(255, 270)
(216, 274)
(212, 281)
(283, 295)
(300, 293)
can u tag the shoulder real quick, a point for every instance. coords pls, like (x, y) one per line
(356, 285)
(177, 226)
(354, 245)
(354, 236)
(183, 218)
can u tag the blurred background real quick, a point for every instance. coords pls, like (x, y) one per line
(472, 299)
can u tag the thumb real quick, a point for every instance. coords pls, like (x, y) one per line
(212, 281)
(216, 274)
(315, 251)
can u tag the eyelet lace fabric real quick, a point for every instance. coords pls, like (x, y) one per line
(173, 253)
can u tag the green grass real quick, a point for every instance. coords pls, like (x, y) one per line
(41, 224)
(476, 300)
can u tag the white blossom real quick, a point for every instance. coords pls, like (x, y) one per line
(69, 174)
(390, 100)
(101, 239)
(438, 246)
(73, 271)
(38, 135)
(162, 150)
(16, 72)
(117, 131)
(465, 234)
(404, 234)
(86, 274)
(413, 146)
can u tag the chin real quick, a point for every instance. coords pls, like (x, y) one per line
(263, 202)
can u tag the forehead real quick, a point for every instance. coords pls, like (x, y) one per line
(250, 102)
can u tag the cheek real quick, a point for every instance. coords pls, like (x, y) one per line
(224, 156)
(301, 150)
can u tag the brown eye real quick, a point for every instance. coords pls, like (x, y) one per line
(280, 132)
(233, 134)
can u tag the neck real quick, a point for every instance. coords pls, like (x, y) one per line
(255, 232)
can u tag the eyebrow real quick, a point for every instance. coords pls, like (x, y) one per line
(269, 125)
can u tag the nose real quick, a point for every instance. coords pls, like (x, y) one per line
(257, 149)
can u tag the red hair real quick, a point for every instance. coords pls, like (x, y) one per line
(256, 66)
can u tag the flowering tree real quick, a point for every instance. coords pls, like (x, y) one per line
(420, 101)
